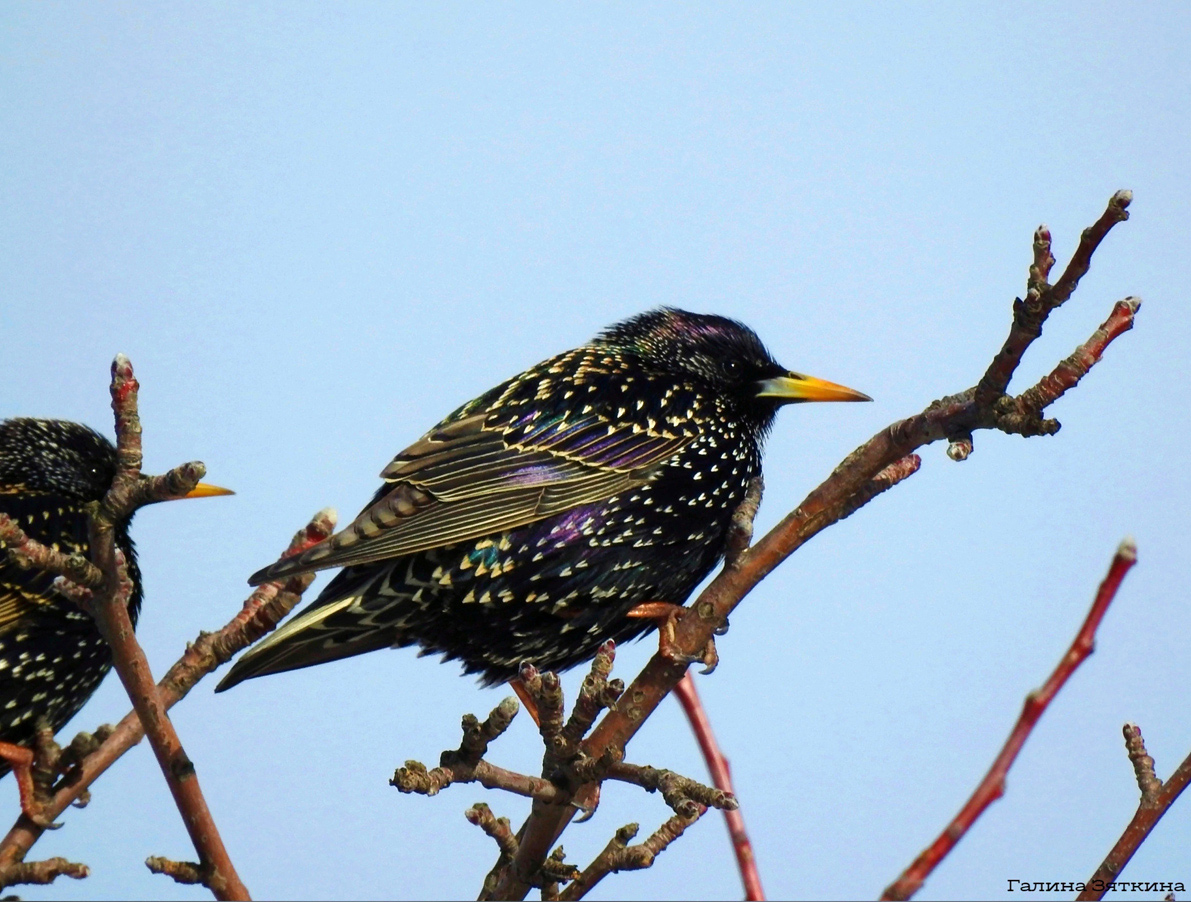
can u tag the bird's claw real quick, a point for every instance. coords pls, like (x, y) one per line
(586, 812)
(710, 659)
(667, 615)
(587, 807)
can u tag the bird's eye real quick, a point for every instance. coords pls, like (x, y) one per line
(733, 367)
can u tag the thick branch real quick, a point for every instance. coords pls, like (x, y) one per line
(992, 787)
(661, 674)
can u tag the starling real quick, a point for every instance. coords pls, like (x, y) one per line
(528, 524)
(52, 656)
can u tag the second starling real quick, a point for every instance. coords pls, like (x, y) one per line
(528, 524)
(52, 655)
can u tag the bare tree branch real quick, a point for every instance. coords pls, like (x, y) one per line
(661, 674)
(1156, 799)
(110, 609)
(1041, 298)
(619, 856)
(883, 461)
(187, 872)
(565, 768)
(43, 872)
(992, 787)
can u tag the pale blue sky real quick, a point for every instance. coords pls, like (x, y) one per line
(316, 229)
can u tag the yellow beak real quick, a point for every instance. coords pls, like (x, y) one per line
(204, 490)
(797, 387)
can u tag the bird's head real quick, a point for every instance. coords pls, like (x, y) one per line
(58, 457)
(723, 355)
(55, 457)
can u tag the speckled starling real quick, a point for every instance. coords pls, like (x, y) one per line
(52, 656)
(527, 524)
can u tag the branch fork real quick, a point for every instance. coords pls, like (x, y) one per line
(571, 777)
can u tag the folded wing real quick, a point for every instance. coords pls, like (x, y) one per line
(487, 472)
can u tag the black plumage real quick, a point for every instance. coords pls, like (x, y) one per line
(52, 656)
(529, 522)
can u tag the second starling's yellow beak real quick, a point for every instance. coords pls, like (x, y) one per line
(205, 490)
(794, 387)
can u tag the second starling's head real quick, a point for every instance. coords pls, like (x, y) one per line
(55, 457)
(722, 354)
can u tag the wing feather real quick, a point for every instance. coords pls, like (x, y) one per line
(488, 470)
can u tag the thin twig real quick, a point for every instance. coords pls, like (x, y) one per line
(596, 693)
(1143, 764)
(679, 792)
(1155, 802)
(992, 787)
(187, 872)
(44, 871)
(29, 553)
(467, 764)
(496, 827)
(721, 776)
(1030, 314)
(1067, 374)
(619, 856)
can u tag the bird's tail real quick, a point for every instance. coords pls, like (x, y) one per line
(324, 631)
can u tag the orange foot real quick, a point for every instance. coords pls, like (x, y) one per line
(666, 615)
(21, 760)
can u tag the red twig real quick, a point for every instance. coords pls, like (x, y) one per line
(1156, 799)
(721, 778)
(1067, 374)
(992, 787)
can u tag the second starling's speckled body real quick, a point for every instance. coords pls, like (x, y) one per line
(528, 523)
(52, 656)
